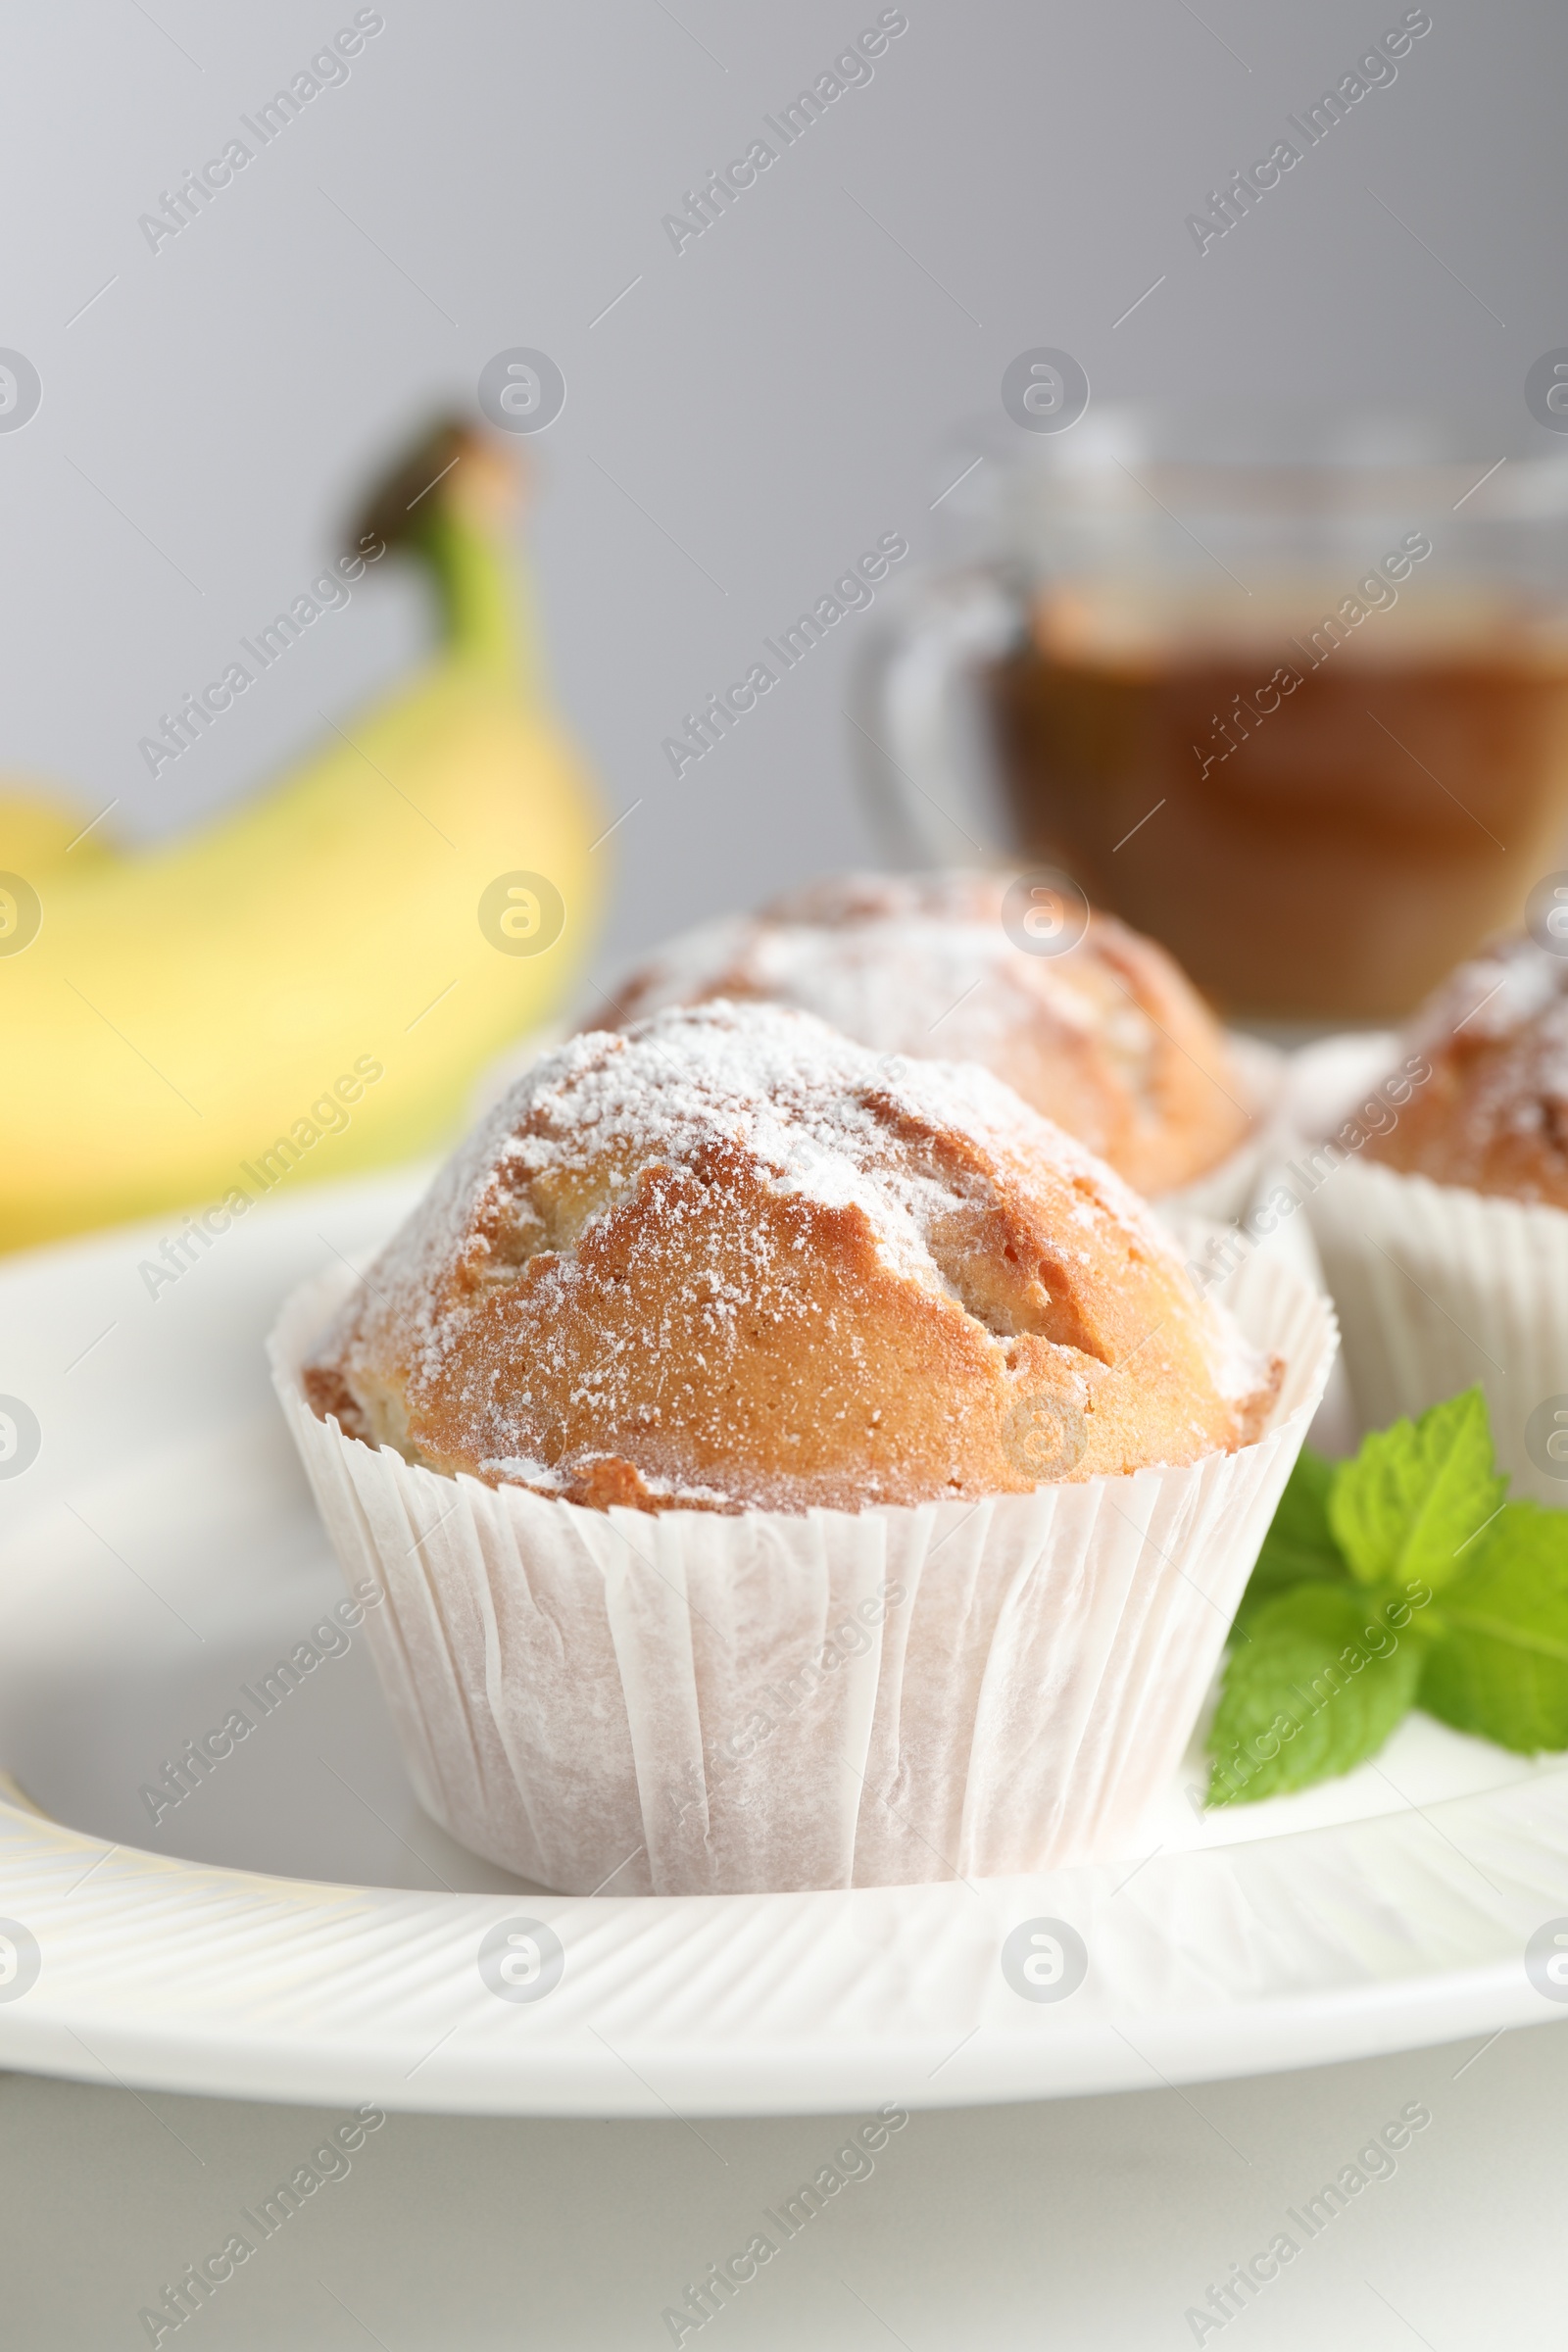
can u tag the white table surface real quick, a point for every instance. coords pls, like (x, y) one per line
(1087, 2222)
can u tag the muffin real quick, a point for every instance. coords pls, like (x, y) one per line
(1493, 1114)
(1106, 1038)
(856, 1291)
(783, 1475)
(1444, 1241)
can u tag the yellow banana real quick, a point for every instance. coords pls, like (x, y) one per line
(38, 833)
(309, 984)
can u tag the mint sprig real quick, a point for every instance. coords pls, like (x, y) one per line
(1319, 1687)
(1418, 1496)
(1339, 1632)
(1500, 1665)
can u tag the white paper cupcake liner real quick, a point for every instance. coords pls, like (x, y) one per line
(1250, 1175)
(1336, 1427)
(687, 1703)
(1224, 1190)
(1437, 1286)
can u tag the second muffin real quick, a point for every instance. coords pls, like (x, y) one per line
(1108, 1039)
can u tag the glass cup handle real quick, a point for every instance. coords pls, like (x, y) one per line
(919, 736)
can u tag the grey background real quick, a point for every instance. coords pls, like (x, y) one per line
(750, 415)
(754, 412)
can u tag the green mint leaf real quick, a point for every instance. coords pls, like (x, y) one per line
(1299, 1545)
(1500, 1666)
(1418, 1495)
(1317, 1687)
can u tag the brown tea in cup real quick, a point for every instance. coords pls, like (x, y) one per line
(1285, 689)
(1318, 813)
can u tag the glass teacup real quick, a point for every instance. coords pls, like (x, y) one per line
(1290, 693)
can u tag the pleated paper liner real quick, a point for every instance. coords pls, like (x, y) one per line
(686, 1703)
(1226, 1190)
(1439, 1287)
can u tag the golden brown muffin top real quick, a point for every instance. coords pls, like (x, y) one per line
(1493, 1115)
(1108, 1039)
(728, 1263)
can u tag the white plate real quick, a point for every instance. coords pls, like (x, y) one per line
(296, 1928)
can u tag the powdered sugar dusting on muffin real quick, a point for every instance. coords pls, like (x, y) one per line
(1494, 994)
(907, 977)
(1494, 1116)
(651, 1276)
(1106, 1038)
(790, 1090)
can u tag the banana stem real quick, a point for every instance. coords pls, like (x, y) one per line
(484, 607)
